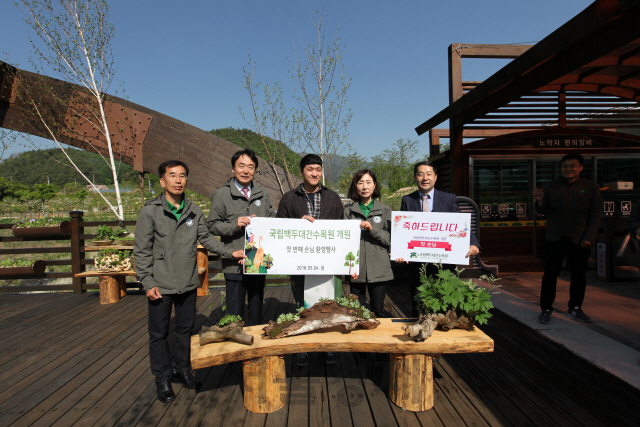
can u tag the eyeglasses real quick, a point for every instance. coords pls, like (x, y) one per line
(570, 166)
(174, 176)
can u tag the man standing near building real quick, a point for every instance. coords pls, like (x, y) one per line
(428, 199)
(310, 201)
(232, 207)
(167, 233)
(572, 205)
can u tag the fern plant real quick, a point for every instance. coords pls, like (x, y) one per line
(446, 291)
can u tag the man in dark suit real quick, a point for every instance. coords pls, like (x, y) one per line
(428, 199)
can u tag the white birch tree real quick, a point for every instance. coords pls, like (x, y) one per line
(323, 116)
(74, 42)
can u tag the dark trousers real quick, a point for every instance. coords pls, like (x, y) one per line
(159, 318)
(414, 280)
(376, 295)
(240, 286)
(297, 288)
(577, 258)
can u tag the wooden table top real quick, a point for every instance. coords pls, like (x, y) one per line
(119, 247)
(388, 337)
(110, 273)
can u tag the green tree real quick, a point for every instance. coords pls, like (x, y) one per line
(44, 192)
(394, 166)
(354, 163)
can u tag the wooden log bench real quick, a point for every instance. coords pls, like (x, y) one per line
(411, 382)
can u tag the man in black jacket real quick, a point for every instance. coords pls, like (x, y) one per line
(428, 199)
(572, 205)
(167, 233)
(310, 201)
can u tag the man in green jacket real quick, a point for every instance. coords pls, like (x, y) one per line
(167, 233)
(232, 207)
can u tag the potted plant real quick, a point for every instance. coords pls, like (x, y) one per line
(112, 261)
(448, 302)
(125, 238)
(42, 227)
(105, 236)
(22, 267)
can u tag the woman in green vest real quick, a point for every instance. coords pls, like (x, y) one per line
(375, 217)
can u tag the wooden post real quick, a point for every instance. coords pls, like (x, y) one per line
(76, 251)
(411, 381)
(122, 285)
(110, 289)
(203, 263)
(265, 386)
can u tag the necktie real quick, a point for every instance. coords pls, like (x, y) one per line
(425, 204)
(245, 191)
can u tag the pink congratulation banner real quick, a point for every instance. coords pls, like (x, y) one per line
(430, 237)
(429, 244)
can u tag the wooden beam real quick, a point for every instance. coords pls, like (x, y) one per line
(466, 50)
(455, 74)
(602, 27)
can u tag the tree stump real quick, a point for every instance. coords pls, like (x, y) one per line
(232, 331)
(265, 384)
(325, 314)
(110, 289)
(427, 323)
(411, 381)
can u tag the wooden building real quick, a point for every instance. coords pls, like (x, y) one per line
(575, 91)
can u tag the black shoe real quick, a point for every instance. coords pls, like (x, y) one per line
(302, 359)
(165, 392)
(579, 314)
(330, 358)
(545, 317)
(186, 379)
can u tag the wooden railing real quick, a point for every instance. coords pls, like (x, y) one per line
(78, 262)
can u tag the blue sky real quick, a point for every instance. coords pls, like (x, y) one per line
(185, 59)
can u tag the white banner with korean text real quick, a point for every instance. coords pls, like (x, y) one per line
(430, 236)
(298, 246)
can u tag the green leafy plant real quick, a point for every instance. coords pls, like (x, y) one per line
(226, 318)
(289, 317)
(105, 233)
(40, 222)
(446, 291)
(16, 263)
(351, 301)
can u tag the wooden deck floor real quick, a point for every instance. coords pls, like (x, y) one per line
(66, 360)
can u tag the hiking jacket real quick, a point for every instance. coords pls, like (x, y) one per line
(227, 205)
(572, 210)
(375, 265)
(165, 249)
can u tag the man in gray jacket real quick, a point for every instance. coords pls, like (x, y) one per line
(232, 207)
(167, 233)
(572, 205)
